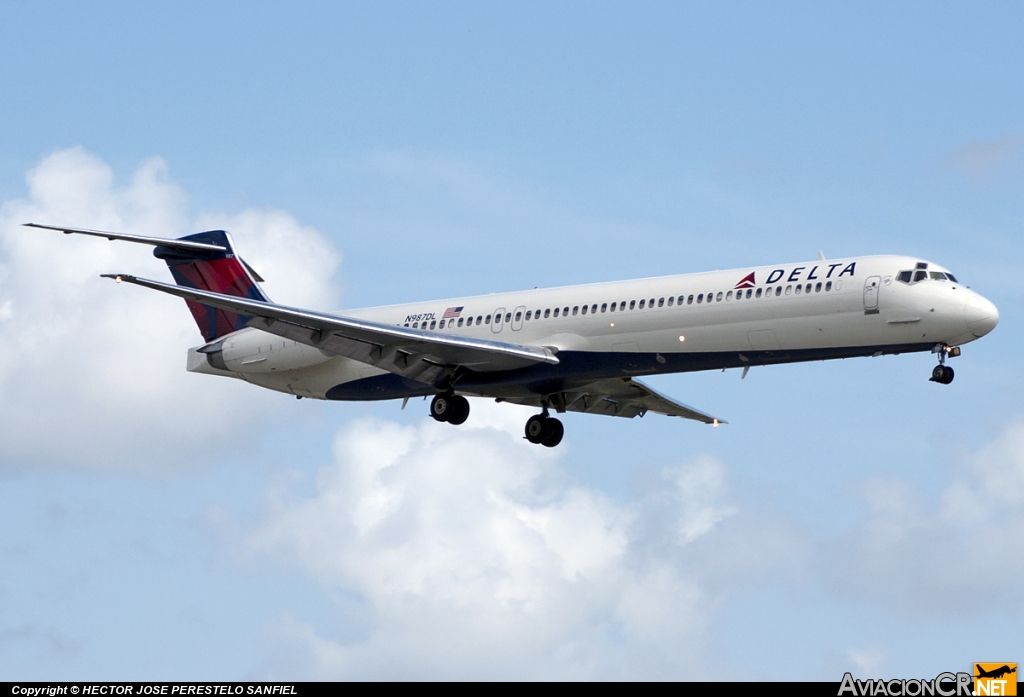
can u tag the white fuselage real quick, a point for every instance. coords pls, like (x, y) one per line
(771, 314)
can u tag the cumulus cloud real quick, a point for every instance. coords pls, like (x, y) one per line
(961, 552)
(473, 556)
(92, 374)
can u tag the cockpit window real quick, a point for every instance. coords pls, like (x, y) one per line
(916, 276)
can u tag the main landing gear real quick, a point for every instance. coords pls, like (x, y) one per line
(544, 430)
(452, 408)
(942, 373)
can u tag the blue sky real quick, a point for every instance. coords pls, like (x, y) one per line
(161, 525)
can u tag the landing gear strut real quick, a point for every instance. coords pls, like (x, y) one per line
(544, 430)
(452, 408)
(942, 373)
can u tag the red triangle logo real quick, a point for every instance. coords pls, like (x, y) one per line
(747, 281)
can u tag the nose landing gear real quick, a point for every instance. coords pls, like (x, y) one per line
(942, 373)
(544, 430)
(451, 408)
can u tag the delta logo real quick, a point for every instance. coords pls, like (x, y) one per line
(746, 282)
(798, 275)
(995, 679)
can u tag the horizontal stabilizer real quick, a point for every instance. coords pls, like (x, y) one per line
(184, 245)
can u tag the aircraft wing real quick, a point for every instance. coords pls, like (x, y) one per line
(428, 357)
(624, 397)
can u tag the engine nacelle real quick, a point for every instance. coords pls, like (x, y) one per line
(254, 351)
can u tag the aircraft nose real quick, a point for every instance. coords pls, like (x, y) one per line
(981, 316)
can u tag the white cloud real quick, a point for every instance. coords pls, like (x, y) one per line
(961, 552)
(474, 557)
(92, 374)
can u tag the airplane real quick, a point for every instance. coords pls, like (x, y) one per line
(574, 348)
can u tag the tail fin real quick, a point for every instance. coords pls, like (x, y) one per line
(217, 271)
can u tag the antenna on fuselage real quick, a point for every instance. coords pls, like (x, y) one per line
(821, 255)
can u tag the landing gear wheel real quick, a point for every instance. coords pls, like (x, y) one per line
(452, 408)
(536, 428)
(554, 432)
(942, 374)
(459, 409)
(441, 407)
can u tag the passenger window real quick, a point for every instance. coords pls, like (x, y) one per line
(415, 325)
(441, 326)
(432, 324)
(519, 315)
(661, 302)
(622, 306)
(689, 300)
(828, 286)
(460, 321)
(904, 276)
(584, 309)
(593, 308)
(565, 312)
(547, 313)
(807, 288)
(575, 309)
(718, 298)
(650, 304)
(749, 294)
(920, 276)
(479, 319)
(778, 291)
(556, 312)
(670, 301)
(680, 299)
(728, 296)
(614, 305)
(789, 289)
(406, 324)
(817, 287)
(758, 293)
(604, 307)
(508, 316)
(642, 303)
(529, 314)
(700, 298)
(798, 287)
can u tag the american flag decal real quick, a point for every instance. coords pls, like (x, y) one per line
(452, 312)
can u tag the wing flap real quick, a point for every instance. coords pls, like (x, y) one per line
(623, 397)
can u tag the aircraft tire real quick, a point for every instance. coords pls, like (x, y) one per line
(553, 433)
(536, 428)
(949, 375)
(441, 407)
(459, 410)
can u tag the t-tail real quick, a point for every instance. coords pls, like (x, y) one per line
(219, 271)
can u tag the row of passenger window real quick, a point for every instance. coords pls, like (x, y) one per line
(698, 299)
